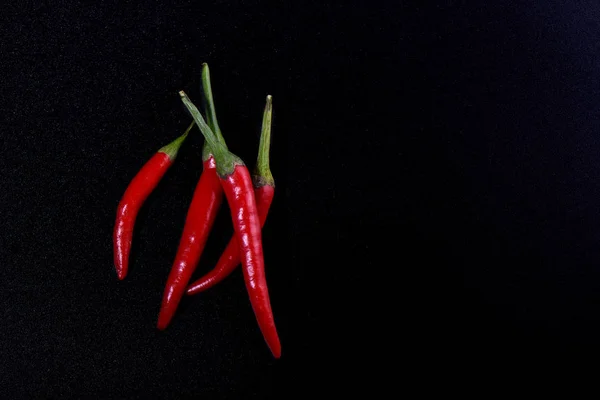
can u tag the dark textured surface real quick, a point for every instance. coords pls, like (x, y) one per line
(437, 171)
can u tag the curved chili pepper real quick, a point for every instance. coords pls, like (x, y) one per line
(134, 197)
(237, 186)
(264, 189)
(199, 221)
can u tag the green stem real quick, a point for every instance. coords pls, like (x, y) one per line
(209, 104)
(263, 170)
(225, 160)
(172, 148)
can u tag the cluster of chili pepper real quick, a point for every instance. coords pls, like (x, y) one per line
(249, 198)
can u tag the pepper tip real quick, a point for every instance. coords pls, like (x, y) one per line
(277, 354)
(163, 319)
(160, 325)
(120, 274)
(275, 348)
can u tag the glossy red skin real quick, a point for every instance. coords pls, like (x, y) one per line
(230, 258)
(136, 193)
(240, 195)
(201, 215)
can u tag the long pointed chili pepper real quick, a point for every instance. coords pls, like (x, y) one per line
(134, 197)
(264, 189)
(200, 218)
(237, 186)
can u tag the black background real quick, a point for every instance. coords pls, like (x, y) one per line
(437, 177)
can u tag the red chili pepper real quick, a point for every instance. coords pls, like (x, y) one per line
(199, 221)
(237, 186)
(134, 197)
(264, 189)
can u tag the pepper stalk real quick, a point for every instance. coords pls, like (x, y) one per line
(209, 111)
(262, 172)
(172, 148)
(225, 160)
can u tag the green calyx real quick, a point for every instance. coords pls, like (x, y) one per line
(209, 111)
(206, 151)
(172, 148)
(262, 171)
(225, 160)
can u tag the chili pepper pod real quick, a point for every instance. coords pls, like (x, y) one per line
(264, 190)
(237, 186)
(134, 197)
(200, 218)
